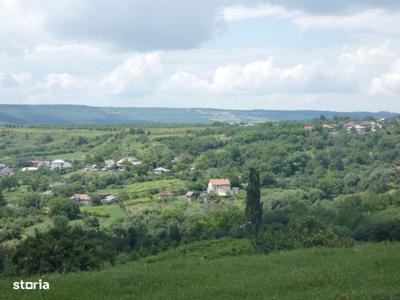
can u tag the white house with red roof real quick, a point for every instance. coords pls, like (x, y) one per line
(220, 187)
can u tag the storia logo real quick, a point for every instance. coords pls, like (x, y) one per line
(28, 285)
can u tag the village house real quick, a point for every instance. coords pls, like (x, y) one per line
(165, 196)
(308, 127)
(83, 199)
(219, 187)
(109, 163)
(161, 170)
(133, 160)
(108, 198)
(330, 127)
(6, 172)
(192, 194)
(92, 168)
(354, 126)
(368, 124)
(39, 163)
(57, 185)
(25, 169)
(60, 164)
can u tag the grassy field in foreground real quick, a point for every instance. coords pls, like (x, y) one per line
(369, 271)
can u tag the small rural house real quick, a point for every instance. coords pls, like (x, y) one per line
(165, 196)
(6, 172)
(192, 194)
(108, 197)
(111, 198)
(368, 124)
(308, 127)
(161, 170)
(40, 163)
(25, 169)
(57, 185)
(354, 126)
(109, 163)
(81, 198)
(330, 127)
(133, 160)
(60, 164)
(219, 187)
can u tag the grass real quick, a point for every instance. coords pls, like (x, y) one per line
(368, 271)
(43, 226)
(141, 189)
(107, 214)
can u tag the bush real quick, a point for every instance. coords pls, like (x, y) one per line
(380, 231)
(64, 207)
(61, 249)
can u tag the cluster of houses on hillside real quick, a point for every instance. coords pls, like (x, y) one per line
(110, 164)
(86, 199)
(57, 164)
(362, 126)
(359, 127)
(219, 187)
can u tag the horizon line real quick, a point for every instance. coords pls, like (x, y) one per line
(210, 108)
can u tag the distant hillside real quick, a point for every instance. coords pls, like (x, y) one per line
(79, 114)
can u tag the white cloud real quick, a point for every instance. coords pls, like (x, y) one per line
(137, 74)
(237, 13)
(257, 75)
(355, 67)
(22, 78)
(374, 20)
(388, 83)
(184, 82)
(63, 81)
(350, 72)
(144, 25)
(253, 78)
(324, 7)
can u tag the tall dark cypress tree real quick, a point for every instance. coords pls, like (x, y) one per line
(253, 201)
(3, 201)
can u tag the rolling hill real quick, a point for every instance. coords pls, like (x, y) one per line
(213, 270)
(79, 114)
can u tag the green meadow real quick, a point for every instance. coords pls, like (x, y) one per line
(227, 270)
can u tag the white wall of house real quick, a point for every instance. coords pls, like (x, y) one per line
(213, 188)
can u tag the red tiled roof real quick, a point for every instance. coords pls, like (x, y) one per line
(219, 182)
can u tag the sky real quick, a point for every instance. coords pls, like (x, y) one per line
(341, 55)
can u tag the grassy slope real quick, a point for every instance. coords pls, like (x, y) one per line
(368, 271)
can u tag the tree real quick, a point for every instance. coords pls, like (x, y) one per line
(3, 201)
(92, 223)
(31, 200)
(253, 201)
(96, 200)
(64, 207)
(61, 249)
(9, 183)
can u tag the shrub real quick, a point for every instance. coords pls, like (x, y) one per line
(64, 207)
